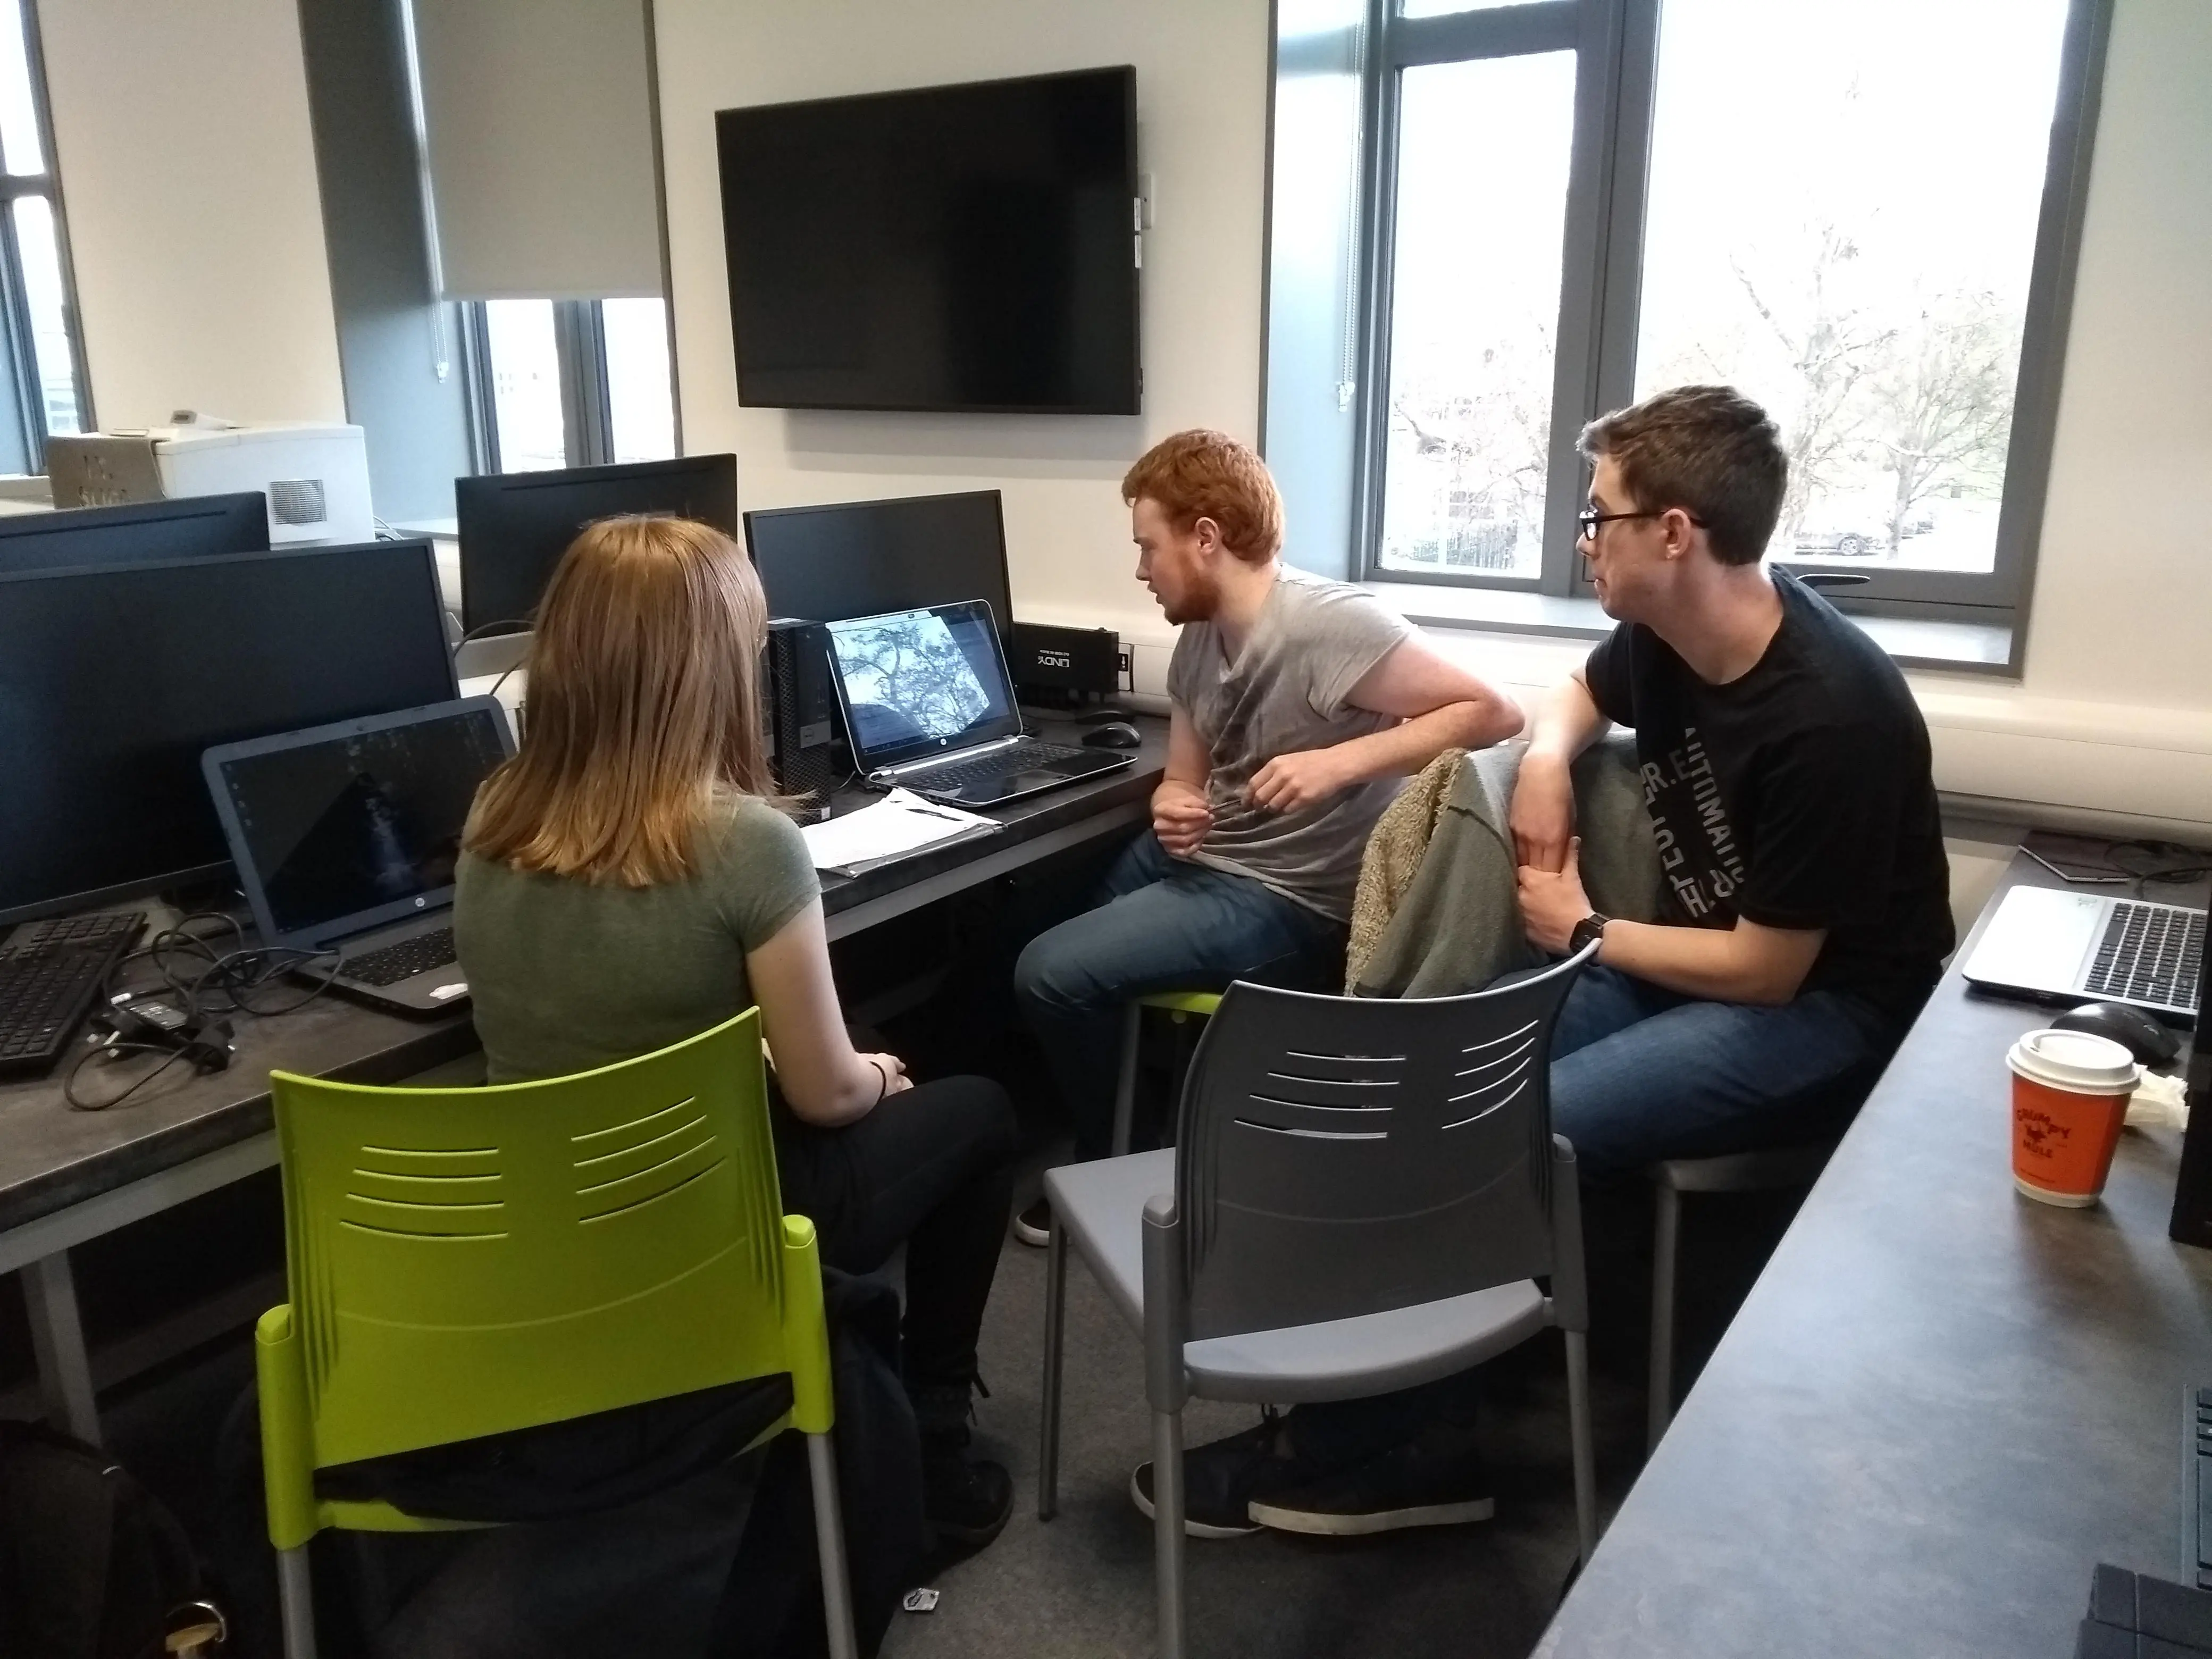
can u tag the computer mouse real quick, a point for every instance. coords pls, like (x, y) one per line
(1115, 734)
(2150, 1043)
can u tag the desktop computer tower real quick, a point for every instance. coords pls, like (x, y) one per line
(806, 747)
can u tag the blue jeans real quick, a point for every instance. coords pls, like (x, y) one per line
(1160, 924)
(1639, 1073)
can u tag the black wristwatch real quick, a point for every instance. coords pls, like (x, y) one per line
(1589, 928)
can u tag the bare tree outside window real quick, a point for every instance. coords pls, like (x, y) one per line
(1841, 221)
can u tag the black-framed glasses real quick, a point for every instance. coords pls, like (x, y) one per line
(1591, 520)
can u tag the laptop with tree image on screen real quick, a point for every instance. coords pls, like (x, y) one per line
(930, 707)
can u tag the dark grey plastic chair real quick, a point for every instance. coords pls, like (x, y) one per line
(1363, 1193)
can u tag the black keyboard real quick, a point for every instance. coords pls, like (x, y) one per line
(1027, 755)
(2149, 953)
(410, 957)
(49, 972)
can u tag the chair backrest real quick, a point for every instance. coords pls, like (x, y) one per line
(465, 1261)
(1349, 1155)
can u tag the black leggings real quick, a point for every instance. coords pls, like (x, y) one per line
(931, 1168)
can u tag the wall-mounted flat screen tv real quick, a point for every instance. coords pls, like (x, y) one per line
(967, 248)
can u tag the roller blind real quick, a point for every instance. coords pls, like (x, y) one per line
(540, 147)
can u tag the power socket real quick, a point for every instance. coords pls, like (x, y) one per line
(1125, 664)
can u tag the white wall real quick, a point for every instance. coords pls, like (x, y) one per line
(188, 174)
(1201, 108)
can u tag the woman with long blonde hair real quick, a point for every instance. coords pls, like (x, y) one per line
(628, 881)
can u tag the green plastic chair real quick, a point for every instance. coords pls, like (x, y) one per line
(464, 1262)
(1180, 1005)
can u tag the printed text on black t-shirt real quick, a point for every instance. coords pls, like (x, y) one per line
(1691, 798)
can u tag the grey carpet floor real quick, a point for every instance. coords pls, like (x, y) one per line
(642, 1582)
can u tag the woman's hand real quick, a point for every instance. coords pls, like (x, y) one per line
(892, 1070)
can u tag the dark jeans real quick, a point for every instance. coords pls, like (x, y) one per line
(1640, 1074)
(932, 1168)
(1161, 924)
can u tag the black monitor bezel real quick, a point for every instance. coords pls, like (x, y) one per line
(1001, 602)
(193, 875)
(473, 496)
(249, 509)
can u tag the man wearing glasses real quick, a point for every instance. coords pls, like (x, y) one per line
(1786, 774)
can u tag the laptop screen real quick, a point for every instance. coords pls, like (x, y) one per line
(343, 827)
(919, 683)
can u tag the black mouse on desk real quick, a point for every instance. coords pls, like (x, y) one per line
(2150, 1043)
(1115, 734)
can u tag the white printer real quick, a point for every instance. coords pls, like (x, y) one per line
(314, 476)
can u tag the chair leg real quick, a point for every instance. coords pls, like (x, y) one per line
(1056, 1318)
(1666, 1243)
(829, 1543)
(1580, 1438)
(1167, 1528)
(1125, 1083)
(296, 1599)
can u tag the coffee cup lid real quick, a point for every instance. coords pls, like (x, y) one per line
(2075, 1060)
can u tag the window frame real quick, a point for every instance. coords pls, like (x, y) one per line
(579, 343)
(1616, 44)
(16, 337)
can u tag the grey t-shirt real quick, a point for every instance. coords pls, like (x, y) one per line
(1313, 640)
(567, 976)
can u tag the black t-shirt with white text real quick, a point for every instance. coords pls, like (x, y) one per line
(1798, 795)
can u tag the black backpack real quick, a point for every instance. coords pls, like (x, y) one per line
(92, 1565)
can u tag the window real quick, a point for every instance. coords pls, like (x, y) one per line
(572, 382)
(39, 339)
(1864, 216)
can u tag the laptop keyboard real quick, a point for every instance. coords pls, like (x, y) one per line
(1024, 757)
(2149, 953)
(404, 960)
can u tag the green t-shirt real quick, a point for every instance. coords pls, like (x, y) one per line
(567, 975)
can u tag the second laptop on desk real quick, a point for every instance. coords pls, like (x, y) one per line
(346, 837)
(930, 707)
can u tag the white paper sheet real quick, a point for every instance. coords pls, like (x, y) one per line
(899, 823)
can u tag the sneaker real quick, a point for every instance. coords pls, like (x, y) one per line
(967, 1500)
(1414, 1485)
(1034, 1224)
(1219, 1480)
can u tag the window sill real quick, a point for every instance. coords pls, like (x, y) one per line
(1957, 646)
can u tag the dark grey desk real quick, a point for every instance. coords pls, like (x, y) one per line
(67, 1176)
(1941, 1404)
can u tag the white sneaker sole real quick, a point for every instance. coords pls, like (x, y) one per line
(1353, 1526)
(1190, 1529)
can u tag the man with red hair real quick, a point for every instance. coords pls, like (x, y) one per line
(1298, 706)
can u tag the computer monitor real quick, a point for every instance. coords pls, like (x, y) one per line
(868, 558)
(114, 679)
(514, 526)
(190, 527)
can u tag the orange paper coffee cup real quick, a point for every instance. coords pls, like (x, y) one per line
(2069, 1097)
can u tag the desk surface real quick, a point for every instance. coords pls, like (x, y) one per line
(51, 1157)
(1941, 1404)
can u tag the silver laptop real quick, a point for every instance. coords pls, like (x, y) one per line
(346, 836)
(930, 707)
(2056, 945)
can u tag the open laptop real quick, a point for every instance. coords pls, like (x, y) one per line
(930, 707)
(2055, 945)
(346, 836)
